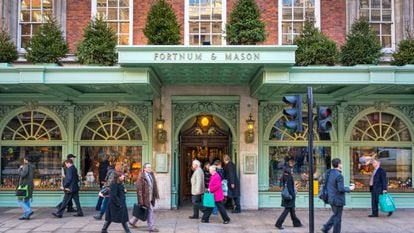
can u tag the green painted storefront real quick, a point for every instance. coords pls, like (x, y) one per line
(226, 82)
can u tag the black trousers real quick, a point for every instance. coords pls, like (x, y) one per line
(335, 220)
(282, 217)
(67, 199)
(196, 200)
(374, 203)
(236, 200)
(207, 212)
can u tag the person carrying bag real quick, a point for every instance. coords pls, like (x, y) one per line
(24, 191)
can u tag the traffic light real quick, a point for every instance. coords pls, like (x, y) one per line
(324, 119)
(293, 114)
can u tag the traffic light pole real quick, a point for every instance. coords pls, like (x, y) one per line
(310, 157)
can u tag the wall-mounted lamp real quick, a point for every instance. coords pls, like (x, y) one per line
(161, 133)
(250, 129)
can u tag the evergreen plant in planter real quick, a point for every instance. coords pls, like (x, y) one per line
(405, 53)
(245, 26)
(98, 46)
(361, 46)
(47, 45)
(8, 52)
(314, 48)
(162, 27)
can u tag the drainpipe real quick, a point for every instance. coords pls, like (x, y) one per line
(2, 14)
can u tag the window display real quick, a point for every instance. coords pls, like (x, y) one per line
(47, 161)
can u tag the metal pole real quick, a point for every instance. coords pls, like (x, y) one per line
(310, 157)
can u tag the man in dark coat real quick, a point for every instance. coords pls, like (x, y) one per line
(230, 174)
(26, 173)
(336, 196)
(70, 204)
(102, 170)
(377, 186)
(71, 189)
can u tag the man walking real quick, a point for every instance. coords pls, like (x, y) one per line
(70, 208)
(377, 186)
(336, 196)
(230, 174)
(197, 188)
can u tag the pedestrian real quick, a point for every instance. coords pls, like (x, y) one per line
(289, 204)
(71, 189)
(26, 173)
(117, 209)
(377, 186)
(147, 193)
(336, 196)
(214, 186)
(102, 170)
(233, 183)
(109, 178)
(70, 208)
(197, 188)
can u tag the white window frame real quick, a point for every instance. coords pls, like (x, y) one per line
(131, 19)
(187, 22)
(280, 18)
(392, 48)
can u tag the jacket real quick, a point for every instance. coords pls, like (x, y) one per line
(287, 179)
(230, 175)
(71, 180)
(379, 182)
(215, 187)
(143, 190)
(197, 182)
(26, 173)
(102, 170)
(336, 189)
(117, 209)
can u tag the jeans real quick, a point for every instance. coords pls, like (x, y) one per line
(25, 205)
(99, 203)
(104, 205)
(335, 220)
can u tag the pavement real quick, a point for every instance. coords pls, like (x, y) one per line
(177, 221)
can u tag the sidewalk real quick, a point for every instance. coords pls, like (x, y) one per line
(169, 221)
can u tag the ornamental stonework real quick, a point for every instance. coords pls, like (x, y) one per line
(351, 111)
(269, 111)
(407, 110)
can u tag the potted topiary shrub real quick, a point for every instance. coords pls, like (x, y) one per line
(98, 46)
(361, 46)
(8, 52)
(47, 45)
(245, 26)
(405, 53)
(314, 48)
(162, 27)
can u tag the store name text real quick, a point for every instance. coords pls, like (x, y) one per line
(206, 57)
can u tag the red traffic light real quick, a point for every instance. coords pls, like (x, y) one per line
(324, 112)
(324, 119)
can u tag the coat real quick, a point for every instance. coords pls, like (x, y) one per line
(143, 190)
(102, 170)
(197, 182)
(117, 209)
(287, 179)
(71, 180)
(215, 187)
(379, 182)
(336, 189)
(26, 173)
(230, 174)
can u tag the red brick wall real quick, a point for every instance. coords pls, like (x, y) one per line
(333, 19)
(78, 14)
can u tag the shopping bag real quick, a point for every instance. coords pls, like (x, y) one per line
(208, 200)
(386, 203)
(285, 193)
(140, 212)
(22, 191)
(224, 187)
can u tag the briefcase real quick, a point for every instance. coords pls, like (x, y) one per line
(140, 212)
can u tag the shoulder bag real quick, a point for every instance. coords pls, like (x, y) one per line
(285, 193)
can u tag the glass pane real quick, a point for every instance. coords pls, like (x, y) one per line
(364, 13)
(376, 28)
(217, 27)
(35, 28)
(114, 27)
(25, 16)
(112, 14)
(123, 39)
(205, 15)
(112, 3)
(124, 14)
(363, 4)
(298, 3)
(25, 4)
(123, 3)
(286, 27)
(386, 4)
(194, 40)
(217, 13)
(194, 27)
(298, 14)
(287, 14)
(36, 16)
(386, 29)
(310, 14)
(287, 2)
(101, 3)
(376, 4)
(278, 160)
(124, 27)
(297, 28)
(386, 41)
(36, 4)
(287, 39)
(205, 27)
(375, 15)
(216, 40)
(47, 4)
(386, 15)
(26, 29)
(101, 12)
(395, 161)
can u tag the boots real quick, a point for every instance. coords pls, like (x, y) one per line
(98, 216)
(105, 227)
(126, 228)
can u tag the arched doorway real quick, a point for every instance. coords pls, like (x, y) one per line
(206, 138)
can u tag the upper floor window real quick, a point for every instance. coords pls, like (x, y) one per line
(204, 22)
(292, 18)
(118, 14)
(380, 16)
(32, 14)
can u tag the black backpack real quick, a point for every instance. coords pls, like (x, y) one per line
(323, 193)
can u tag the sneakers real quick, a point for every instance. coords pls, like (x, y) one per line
(227, 221)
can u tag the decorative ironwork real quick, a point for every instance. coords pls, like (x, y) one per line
(269, 111)
(279, 132)
(408, 110)
(351, 111)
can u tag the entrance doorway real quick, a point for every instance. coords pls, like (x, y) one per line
(205, 138)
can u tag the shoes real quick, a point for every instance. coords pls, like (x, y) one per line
(300, 225)
(389, 214)
(236, 211)
(97, 217)
(324, 230)
(372, 216)
(31, 213)
(57, 215)
(24, 218)
(78, 215)
(204, 221)
(71, 210)
(154, 230)
(130, 224)
(279, 227)
(226, 222)
(192, 217)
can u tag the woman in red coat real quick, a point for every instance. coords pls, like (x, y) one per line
(214, 186)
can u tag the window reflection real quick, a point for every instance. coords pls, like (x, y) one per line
(294, 15)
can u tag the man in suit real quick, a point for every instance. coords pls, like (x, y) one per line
(377, 186)
(71, 188)
(70, 204)
(336, 196)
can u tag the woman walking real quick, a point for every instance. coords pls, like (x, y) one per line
(289, 204)
(26, 172)
(117, 209)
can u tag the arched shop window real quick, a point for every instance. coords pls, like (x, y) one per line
(284, 144)
(36, 134)
(386, 137)
(112, 136)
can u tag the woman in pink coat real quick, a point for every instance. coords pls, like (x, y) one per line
(214, 186)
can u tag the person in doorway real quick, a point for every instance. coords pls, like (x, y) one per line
(287, 180)
(377, 186)
(70, 208)
(26, 173)
(230, 174)
(147, 193)
(197, 188)
(336, 196)
(71, 188)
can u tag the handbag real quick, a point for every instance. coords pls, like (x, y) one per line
(104, 191)
(140, 212)
(225, 187)
(386, 203)
(323, 192)
(285, 193)
(208, 200)
(22, 191)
